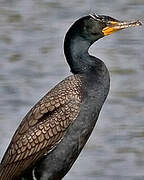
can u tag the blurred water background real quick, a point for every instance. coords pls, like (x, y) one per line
(32, 62)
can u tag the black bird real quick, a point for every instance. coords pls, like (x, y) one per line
(53, 133)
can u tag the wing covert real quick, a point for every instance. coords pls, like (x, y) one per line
(45, 125)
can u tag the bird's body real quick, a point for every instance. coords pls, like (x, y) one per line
(53, 133)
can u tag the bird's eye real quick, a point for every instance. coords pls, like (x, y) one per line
(108, 23)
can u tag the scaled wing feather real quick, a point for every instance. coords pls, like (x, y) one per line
(43, 127)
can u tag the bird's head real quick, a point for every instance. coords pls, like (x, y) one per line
(94, 26)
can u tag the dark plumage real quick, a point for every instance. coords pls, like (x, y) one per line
(53, 133)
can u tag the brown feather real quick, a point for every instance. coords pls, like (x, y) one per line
(43, 127)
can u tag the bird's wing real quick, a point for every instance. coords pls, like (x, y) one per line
(44, 126)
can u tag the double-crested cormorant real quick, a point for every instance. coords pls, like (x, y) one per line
(53, 133)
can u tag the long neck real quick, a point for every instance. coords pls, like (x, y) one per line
(76, 52)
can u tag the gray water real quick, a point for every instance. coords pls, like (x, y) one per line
(32, 62)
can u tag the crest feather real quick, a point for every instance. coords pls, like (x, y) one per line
(96, 17)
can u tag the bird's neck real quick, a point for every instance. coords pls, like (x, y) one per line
(76, 52)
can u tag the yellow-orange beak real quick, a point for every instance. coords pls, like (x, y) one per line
(114, 26)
